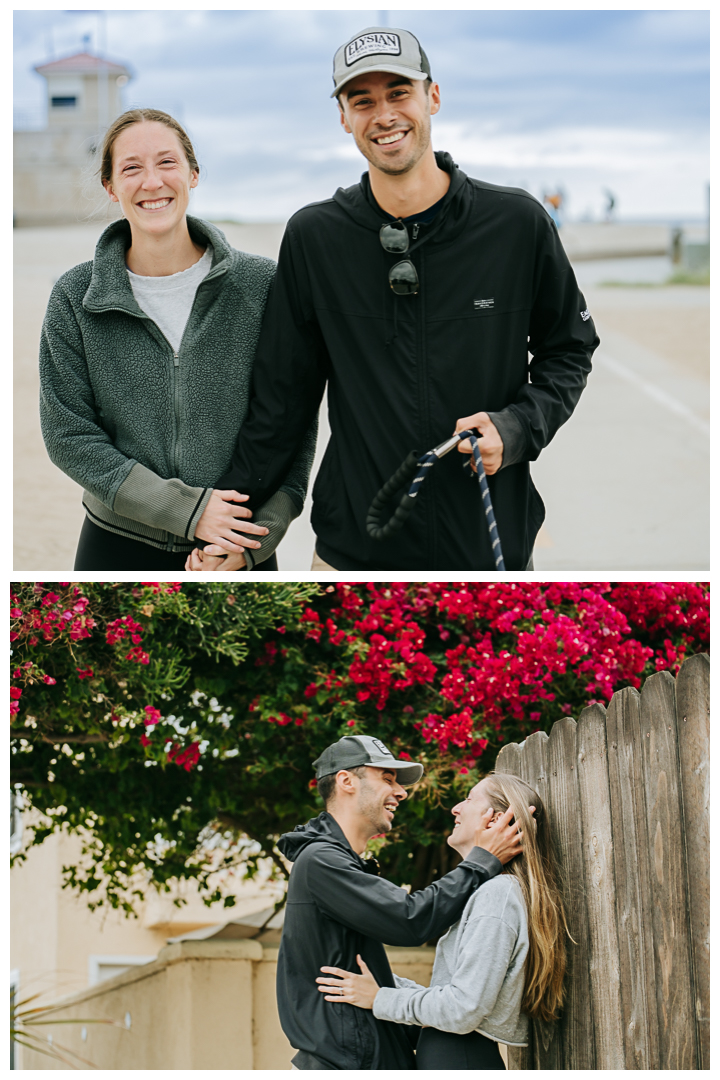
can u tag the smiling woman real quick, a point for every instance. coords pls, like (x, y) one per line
(148, 153)
(145, 365)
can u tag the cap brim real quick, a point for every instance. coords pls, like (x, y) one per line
(394, 69)
(408, 772)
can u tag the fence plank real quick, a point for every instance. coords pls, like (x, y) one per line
(674, 997)
(693, 716)
(533, 762)
(627, 795)
(632, 881)
(594, 789)
(510, 760)
(575, 1028)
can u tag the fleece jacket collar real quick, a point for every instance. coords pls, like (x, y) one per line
(110, 288)
(360, 204)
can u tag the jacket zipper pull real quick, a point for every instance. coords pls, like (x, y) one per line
(416, 230)
(176, 360)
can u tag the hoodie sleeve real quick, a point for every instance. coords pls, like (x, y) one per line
(408, 984)
(289, 375)
(276, 515)
(562, 340)
(484, 953)
(379, 909)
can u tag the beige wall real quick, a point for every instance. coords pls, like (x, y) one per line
(53, 179)
(200, 1005)
(54, 933)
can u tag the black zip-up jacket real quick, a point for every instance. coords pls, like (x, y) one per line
(495, 284)
(338, 907)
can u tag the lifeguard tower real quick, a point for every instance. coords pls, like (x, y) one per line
(53, 167)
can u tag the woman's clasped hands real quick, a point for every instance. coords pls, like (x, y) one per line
(220, 525)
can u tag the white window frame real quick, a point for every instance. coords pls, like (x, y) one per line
(15, 986)
(16, 830)
(96, 961)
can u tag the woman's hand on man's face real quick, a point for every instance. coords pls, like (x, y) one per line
(221, 521)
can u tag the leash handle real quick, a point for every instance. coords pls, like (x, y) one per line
(398, 480)
(414, 470)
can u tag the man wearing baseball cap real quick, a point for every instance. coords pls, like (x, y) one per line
(338, 908)
(417, 295)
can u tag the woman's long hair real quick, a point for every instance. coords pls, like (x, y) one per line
(537, 875)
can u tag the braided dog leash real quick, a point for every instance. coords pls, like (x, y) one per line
(415, 468)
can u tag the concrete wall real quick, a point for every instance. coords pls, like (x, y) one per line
(200, 1005)
(610, 240)
(55, 935)
(53, 178)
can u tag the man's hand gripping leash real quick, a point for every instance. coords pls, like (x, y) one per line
(415, 469)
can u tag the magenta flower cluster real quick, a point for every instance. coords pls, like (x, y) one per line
(483, 658)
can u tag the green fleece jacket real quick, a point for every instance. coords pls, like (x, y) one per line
(146, 431)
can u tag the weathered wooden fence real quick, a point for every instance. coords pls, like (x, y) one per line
(627, 793)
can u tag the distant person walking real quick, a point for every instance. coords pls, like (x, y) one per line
(415, 296)
(553, 202)
(609, 205)
(146, 357)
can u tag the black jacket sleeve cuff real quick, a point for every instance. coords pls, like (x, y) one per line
(512, 435)
(482, 858)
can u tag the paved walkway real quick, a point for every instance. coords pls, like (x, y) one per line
(625, 482)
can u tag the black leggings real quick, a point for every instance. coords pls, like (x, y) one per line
(444, 1050)
(99, 549)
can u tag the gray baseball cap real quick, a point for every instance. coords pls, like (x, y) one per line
(380, 49)
(354, 750)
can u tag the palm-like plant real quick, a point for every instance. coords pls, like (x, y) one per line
(24, 1019)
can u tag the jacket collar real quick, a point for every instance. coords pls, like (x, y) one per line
(369, 865)
(323, 828)
(359, 202)
(110, 288)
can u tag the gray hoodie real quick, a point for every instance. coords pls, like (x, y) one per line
(479, 972)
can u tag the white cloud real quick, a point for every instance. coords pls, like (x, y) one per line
(587, 99)
(628, 149)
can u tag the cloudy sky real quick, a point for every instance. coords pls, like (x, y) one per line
(588, 100)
